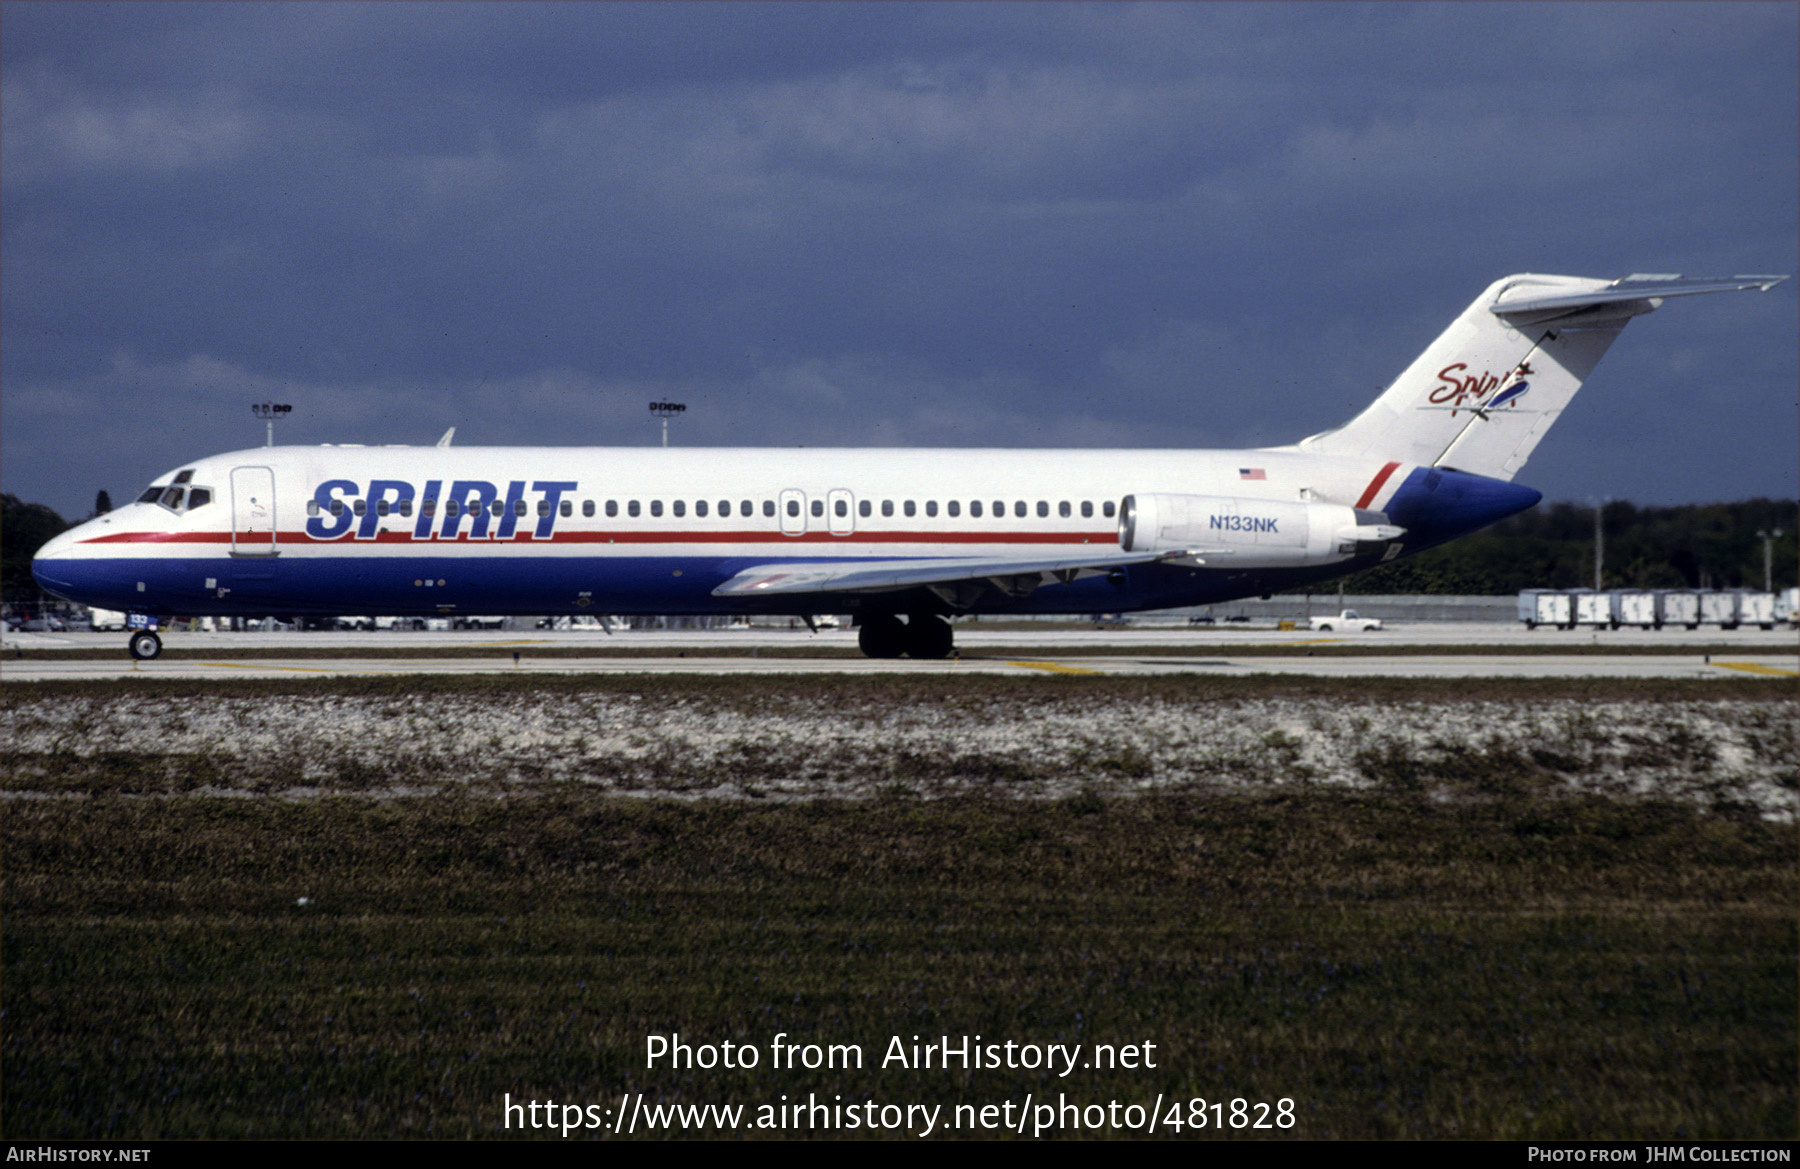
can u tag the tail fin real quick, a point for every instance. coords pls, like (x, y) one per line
(1482, 396)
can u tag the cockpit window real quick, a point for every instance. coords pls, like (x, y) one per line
(171, 498)
(199, 497)
(150, 495)
(186, 476)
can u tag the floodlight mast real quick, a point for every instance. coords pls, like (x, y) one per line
(269, 412)
(665, 411)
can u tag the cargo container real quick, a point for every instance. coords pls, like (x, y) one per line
(1721, 609)
(1546, 607)
(1756, 608)
(1679, 607)
(1637, 607)
(1596, 609)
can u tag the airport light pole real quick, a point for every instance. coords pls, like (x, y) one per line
(1599, 538)
(1768, 539)
(269, 412)
(666, 411)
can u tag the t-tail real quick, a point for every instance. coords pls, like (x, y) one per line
(1482, 396)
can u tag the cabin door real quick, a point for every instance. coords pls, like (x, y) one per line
(253, 531)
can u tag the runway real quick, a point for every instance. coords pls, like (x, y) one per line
(1469, 650)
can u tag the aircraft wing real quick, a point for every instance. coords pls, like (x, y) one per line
(1013, 576)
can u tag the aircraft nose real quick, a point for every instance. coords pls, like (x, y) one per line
(52, 564)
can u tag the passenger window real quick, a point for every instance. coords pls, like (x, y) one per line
(587, 509)
(499, 506)
(769, 508)
(975, 508)
(887, 507)
(1019, 509)
(863, 509)
(700, 508)
(1062, 509)
(1106, 509)
(818, 508)
(842, 508)
(724, 509)
(430, 507)
(931, 508)
(631, 509)
(312, 507)
(337, 507)
(1043, 510)
(1087, 509)
(793, 507)
(680, 507)
(568, 508)
(451, 508)
(954, 508)
(656, 507)
(405, 506)
(908, 508)
(381, 508)
(612, 508)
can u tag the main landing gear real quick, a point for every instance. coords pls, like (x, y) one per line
(144, 645)
(919, 635)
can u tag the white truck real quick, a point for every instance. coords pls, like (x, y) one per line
(1347, 620)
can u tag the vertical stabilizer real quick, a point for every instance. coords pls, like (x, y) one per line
(1482, 396)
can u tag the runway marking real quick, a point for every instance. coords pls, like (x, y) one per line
(1753, 668)
(1054, 667)
(260, 666)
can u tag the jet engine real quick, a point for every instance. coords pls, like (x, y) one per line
(1227, 532)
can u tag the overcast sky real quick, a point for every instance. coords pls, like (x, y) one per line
(1207, 225)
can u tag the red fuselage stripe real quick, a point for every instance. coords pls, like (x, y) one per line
(1374, 487)
(628, 537)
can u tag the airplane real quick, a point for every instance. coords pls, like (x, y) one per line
(903, 540)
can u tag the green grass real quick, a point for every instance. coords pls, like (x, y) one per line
(1398, 965)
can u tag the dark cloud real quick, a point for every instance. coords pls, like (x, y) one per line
(893, 224)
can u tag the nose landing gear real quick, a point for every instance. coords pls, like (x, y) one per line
(144, 645)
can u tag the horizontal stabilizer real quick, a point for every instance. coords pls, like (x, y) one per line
(1531, 299)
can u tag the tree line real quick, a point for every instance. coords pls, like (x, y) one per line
(1713, 545)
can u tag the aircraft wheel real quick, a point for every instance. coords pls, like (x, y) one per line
(144, 645)
(929, 638)
(881, 635)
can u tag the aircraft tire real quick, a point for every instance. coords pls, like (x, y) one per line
(881, 635)
(929, 638)
(144, 645)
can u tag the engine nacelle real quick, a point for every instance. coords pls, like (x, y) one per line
(1251, 533)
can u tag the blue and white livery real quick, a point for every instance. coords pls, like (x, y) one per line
(900, 539)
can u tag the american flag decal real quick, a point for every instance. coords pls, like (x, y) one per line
(1251, 473)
